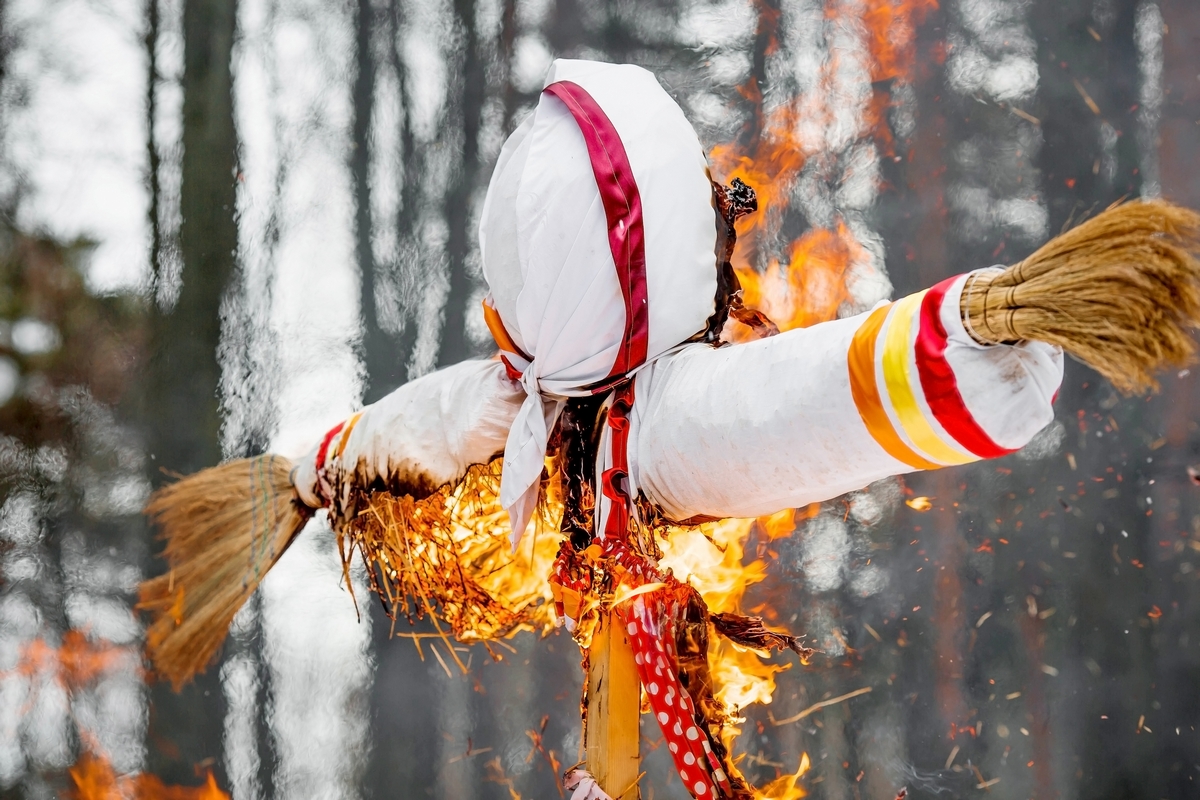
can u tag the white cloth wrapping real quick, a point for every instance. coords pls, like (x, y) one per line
(423, 435)
(752, 429)
(547, 259)
(582, 786)
(740, 431)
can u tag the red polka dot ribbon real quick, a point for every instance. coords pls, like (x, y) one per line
(647, 620)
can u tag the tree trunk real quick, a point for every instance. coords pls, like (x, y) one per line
(183, 410)
(455, 344)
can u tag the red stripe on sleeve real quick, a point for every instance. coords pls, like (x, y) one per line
(940, 385)
(324, 448)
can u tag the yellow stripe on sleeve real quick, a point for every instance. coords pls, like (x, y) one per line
(896, 350)
(865, 391)
(350, 423)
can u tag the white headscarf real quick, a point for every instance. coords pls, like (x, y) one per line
(547, 251)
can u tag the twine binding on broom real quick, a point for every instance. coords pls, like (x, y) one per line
(1118, 292)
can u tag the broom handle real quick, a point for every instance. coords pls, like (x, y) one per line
(612, 735)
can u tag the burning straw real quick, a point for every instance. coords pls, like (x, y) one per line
(224, 528)
(1119, 292)
(448, 556)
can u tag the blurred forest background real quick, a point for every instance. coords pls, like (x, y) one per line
(224, 224)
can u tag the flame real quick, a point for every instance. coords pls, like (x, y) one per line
(93, 778)
(813, 285)
(919, 503)
(448, 556)
(779, 524)
(518, 576)
(810, 284)
(814, 281)
(711, 559)
(149, 787)
(891, 29)
(890, 35)
(785, 788)
(77, 662)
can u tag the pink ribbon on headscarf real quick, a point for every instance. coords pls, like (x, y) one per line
(525, 451)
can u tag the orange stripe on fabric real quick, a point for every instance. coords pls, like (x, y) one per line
(505, 342)
(865, 390)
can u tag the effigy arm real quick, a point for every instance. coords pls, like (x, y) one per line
(810, 414)
(422, 436)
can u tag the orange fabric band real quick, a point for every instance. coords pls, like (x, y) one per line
(865, 390)
(350, 423)
(505, 342)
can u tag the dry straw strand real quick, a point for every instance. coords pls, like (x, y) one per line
(1119, 292)
(223, 529)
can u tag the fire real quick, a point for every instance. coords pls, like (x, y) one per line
(710, 558)
(814, 283)
(77, 662)
(919, 503)
(815, 278)
(448, 556)
(771, 168)
(93, 778)
(785, 788)
(891, 34)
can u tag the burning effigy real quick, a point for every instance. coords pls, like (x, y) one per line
(559, 482)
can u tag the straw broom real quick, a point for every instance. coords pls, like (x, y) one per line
(224, 527)
(1119, 292)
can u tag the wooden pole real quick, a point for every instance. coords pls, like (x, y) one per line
(613, 711)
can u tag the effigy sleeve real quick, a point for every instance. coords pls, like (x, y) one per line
(810, 414)
(422, 436)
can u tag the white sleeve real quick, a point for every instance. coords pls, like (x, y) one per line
(810, 414)
(418, 438)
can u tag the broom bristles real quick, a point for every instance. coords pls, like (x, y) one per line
(224, 527)
(1118, 292)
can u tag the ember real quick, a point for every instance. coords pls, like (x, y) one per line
(918, 503)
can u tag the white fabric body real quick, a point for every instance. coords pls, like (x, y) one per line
(768, 424)
(740, 431)
(547, 260)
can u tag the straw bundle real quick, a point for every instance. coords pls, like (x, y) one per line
(1117, 292)
(448, 556)
(224, 528)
